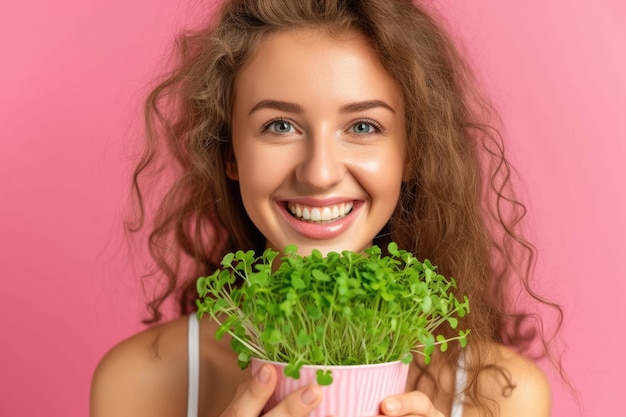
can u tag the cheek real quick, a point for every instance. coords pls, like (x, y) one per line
(260, 171)
(384, 168)
(381, 177)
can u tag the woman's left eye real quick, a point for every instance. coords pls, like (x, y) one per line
(280, 126)
(364, 128)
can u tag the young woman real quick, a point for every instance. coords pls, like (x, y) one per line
(329, 124)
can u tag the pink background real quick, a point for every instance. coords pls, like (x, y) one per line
(73, 74)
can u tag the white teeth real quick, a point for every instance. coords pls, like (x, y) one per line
(316, 216)
(320, 214)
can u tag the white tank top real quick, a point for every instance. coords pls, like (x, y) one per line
(193, 348)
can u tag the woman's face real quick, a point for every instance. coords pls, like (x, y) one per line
(319, 141)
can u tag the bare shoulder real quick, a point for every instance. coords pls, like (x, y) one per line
(145, 374)
(519, 386)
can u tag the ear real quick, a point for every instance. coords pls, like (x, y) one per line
(231, 164)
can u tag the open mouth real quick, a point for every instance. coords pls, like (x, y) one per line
(322, 215)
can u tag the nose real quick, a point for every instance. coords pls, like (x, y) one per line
(322, 164)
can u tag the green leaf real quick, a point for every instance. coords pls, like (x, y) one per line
(225, 327)
(394, 324)
(221, 331)
(444, 307)
(443, 345)
(219, 306)
(320, 276)
(268, 256)
(320, 331)
(243, 365)
(317, 354)
(293, 370)
(258, 278)
(324, 377)
(227, 261)
(407, 359)
(201, 310)
(427, 305)
(386, 296)
(244, 357)
(223, 278)
(239, 330)
(303, 339)
(201, 286)
(429, 342)
(287, 307)
(291, 250)
(392, 248)
(463, 337)
(271, 336)
(297, 282)
(428, 274)
(314, 312)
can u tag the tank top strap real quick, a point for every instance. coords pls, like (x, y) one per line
(193, 352)
(460, 384)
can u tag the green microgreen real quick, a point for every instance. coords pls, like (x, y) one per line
(339, 309)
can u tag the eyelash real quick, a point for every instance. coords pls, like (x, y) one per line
(378, 128)
(274, 120)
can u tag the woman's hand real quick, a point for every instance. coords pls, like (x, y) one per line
(413, 403)
(253, 394)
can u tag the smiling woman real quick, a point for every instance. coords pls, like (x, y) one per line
(318, 149)
(328, 125)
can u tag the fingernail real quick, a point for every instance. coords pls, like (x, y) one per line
(392, 405)
(263, 375)
(309, 396)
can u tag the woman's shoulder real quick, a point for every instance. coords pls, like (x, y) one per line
(145, 374)
(519, 386)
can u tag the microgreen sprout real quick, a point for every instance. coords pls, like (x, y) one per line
(339, 309)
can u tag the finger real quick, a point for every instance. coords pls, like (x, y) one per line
(252, 396)
(299, 403)
(411, 403)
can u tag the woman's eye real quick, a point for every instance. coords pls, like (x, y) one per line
(364, 128)
(280, 126)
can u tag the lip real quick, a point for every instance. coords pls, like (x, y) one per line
(320, 231)
(318, 202)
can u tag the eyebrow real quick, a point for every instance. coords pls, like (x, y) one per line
(288, 107)
(283, 106)
(365, 105)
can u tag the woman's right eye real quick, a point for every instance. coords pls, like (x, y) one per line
(280, 126)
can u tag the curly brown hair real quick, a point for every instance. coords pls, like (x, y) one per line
(457, 207)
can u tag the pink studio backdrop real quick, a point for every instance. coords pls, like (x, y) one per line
(73, 74)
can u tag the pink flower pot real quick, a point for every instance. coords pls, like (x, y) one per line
(356, 391)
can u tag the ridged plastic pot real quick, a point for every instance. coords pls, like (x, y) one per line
(356, 391)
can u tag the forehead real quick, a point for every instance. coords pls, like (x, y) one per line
(342, 66)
